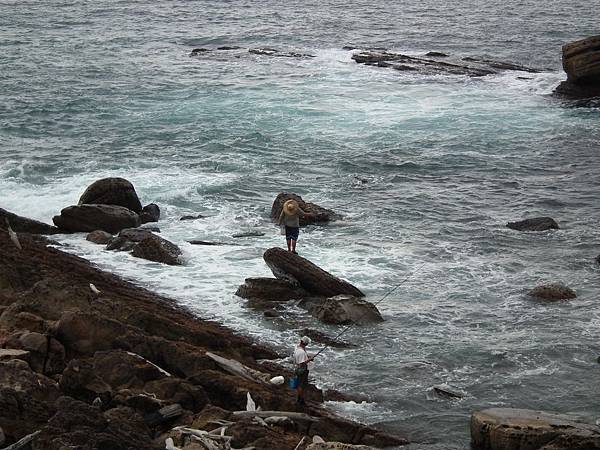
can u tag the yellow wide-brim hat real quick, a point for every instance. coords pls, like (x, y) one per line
(290, 207)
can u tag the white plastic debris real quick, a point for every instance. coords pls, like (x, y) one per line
(170, 445)
(250, 405)
(277, 380)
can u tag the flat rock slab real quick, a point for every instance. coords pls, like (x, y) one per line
(288, 266)
(524, 429)
(7, 354)
(534, 224)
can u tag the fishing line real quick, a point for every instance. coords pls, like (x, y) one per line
(376, 303)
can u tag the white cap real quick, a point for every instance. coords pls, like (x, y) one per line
(305, 340)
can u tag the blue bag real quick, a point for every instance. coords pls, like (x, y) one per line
(293, 383)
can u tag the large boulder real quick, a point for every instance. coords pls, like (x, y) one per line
(534, 224)
(317, 213)
(112, 191)
(525, 429)
(553, 292)
(109, 218)
(581, 62)
(155, 248)
(24, 225)
(270, 289)
(345, 309)
(47, 355)
(289, 266)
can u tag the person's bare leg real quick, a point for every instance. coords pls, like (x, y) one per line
(289, 244)
(293, 246)
(300, 398)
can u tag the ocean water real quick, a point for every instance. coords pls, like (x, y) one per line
(425, 170)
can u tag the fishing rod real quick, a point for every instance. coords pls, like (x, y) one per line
(376, 303)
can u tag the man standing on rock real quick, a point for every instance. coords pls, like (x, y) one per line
(301, 361)
(290, 217)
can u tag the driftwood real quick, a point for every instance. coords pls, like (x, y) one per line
(300, 443)
(290, 414)
(23, 441)
(164, 414)
(236, 368)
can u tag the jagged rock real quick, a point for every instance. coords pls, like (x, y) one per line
(344, 309)
(524, 429)
(109, 218)
(270, 289)
(317, 213)
(581, 62)
(473, 67)
(47, 355)
(288, 266)
(24, 225)
(99, 237)
(534, 224)
(150, 213)
(26, 399)
(112, 191)
(86, 333)
(127, 238)
(553, 292)
(155, 248)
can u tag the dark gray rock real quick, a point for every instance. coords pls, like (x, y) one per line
(126, 239)
(288, 266)
(99, 237)
(150, 213)
(24, 225)
(155, 248)
(534, 224)
(248, 234)
(553, 292)
(318, 214)
(199, 242)
(199, 216)
(112, 191)
(581, 63)
(325, 339)
(345, 309)
(109, 218)
(270, 289)
(525, 429)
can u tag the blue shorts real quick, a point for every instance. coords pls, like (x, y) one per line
(292, 233)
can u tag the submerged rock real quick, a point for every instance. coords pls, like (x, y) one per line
(199, 216)
(534, 224)
(109, 218)
(581, 62)
(288, 266)
(270, 289)
(99, 237)
(24, 225)
(318, 214)
(323, 338)
(524, 429)
(112, 191)
(553, 292)
(345, 309)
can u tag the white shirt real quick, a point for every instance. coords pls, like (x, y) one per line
(300, 356)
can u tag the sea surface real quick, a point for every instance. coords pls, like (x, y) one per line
(425, 170)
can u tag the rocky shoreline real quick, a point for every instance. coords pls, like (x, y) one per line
(89, 360)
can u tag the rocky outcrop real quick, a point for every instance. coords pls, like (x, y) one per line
(345, 309)
(150, 213)
(24, 225)
(112, 191)
(99, 237)
(109, 218)
(534, 224)
(524, 429)
(270, 289)
(469, 66)
(553, 292)
(581, 62)
(127, 238)
(288, 266)
(317, 214)
(154, 248)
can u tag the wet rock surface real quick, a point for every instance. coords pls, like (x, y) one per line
(112, 191)
(135, 365)
(109, 218)
(24, 225)
(534, 224)
(581, 63)
(154, 248)
(270, 289)
(524, 429)
(99, 237)
(345, 309)
(318, 214)
(552, 292)
(316, 281)
(437, 63)
(150, 213)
